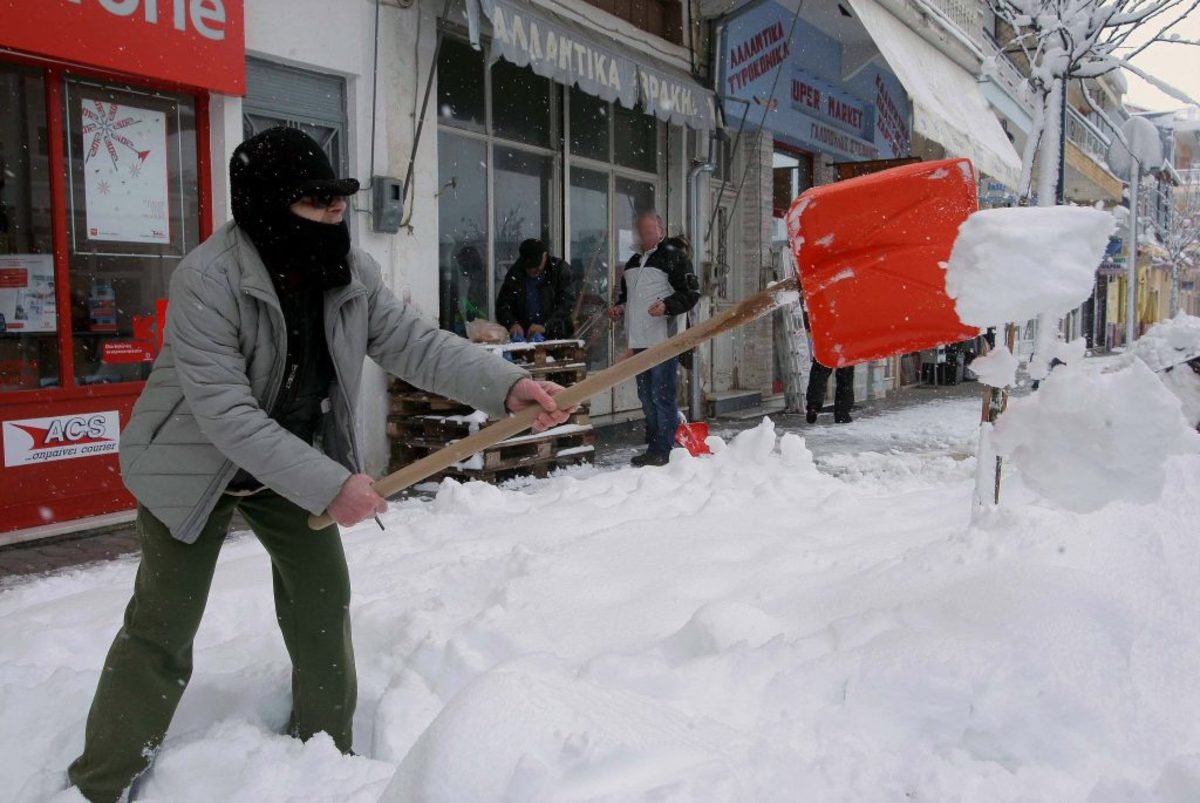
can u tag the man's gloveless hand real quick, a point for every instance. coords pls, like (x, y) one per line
(528, 393)
(356, 501)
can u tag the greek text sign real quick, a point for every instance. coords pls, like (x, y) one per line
(853, 112)
(561, 52)
(62, 437)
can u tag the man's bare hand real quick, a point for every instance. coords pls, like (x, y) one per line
(536, 329)
(529, 393)
(356, 501)
(616, 312)
(657, 309)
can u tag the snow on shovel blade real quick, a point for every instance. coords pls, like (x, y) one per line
(869, 253)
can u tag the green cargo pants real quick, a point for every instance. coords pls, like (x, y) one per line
(150, 661)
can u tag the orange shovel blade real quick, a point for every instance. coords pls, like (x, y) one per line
(868, 251)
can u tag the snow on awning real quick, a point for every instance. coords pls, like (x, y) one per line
(948, 105)
(562, 51)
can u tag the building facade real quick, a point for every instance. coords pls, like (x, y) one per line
(487, 122)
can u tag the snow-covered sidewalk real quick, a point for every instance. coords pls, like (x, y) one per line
(750, 626)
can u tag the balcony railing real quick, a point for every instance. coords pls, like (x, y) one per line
(1088, 136)
(966, 15)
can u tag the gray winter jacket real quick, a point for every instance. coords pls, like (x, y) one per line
(202, 414)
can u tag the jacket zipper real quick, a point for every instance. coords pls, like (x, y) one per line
(337, 375)
(230, 468)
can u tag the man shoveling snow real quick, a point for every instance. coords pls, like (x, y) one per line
(250, 409)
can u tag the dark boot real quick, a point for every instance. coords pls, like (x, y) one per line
(811, 414)
(656, 459)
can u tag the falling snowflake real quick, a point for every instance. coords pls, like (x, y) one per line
(105, 128)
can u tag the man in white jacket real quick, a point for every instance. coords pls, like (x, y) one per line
(658, 284)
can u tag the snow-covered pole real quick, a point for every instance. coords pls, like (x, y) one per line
(1135, 182)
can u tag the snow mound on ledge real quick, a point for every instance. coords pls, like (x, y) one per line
(1014, 263)
(1091, 436)
(997, 368)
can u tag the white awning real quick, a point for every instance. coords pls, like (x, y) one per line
(948, 105)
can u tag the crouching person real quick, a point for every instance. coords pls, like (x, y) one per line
(250, 408)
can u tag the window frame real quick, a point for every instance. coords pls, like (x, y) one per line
(55, 76)
(561, 156)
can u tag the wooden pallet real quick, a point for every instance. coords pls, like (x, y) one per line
(541, 355)
(415, 403)
(520, 452)
(539, 470)
(443, 430)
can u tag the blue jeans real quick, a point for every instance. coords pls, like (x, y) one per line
(656, 391)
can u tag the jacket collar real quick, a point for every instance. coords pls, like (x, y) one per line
(644, 255)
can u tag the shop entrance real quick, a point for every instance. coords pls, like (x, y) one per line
(521, 156)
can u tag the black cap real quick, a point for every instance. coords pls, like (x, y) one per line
(531, 252)
(278, 167)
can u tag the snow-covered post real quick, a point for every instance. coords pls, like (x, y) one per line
(1135, 187)
(1138, 150)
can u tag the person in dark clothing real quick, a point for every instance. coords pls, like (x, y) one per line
(843, 392)
(250, 408)
(536, 299)
(658, 284)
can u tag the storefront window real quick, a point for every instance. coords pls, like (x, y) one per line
(521, 104)
(637, 144)
(463, 230)
(133, 215)
(589, 126)
(791, 174)
(590, 262)
(461, 88)
(28, 311)
(523, 202)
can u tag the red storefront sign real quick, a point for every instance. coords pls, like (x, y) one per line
(197, 43)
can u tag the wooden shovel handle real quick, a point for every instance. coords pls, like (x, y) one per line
(750, 309)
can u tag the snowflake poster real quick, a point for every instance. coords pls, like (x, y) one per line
(125, 172)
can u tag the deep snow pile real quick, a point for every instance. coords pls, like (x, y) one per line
(1096, 431)
(1015, 263)
(739, 627)
(1166, 349)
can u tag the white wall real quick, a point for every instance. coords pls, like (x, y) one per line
(338, 38)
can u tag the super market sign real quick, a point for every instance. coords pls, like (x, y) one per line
(862, 116)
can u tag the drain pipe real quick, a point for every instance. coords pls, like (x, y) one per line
(697, 184)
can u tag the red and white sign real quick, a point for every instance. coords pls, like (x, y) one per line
(61, 437)
(126, 352)
(124, 172)
(197, 43)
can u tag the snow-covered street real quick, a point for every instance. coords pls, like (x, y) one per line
(748, 626)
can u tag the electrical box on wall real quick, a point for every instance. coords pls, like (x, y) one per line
(387, 203)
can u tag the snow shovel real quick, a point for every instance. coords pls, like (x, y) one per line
(692, 436)
(869, 251)
(893, 226)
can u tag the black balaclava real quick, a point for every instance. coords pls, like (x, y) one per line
(267, 174)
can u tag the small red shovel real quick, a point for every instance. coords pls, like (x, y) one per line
(692, 437)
